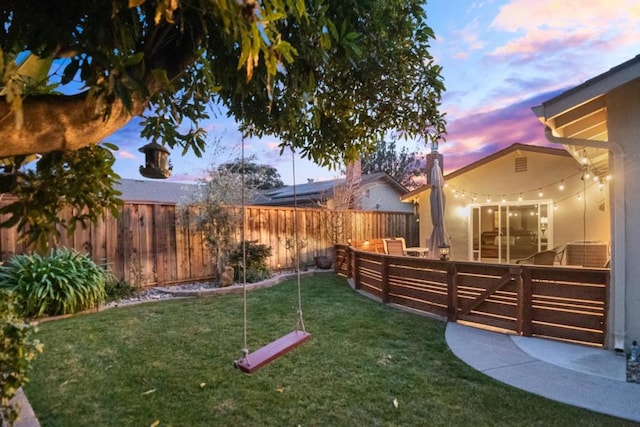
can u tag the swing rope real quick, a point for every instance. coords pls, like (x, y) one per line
(245, 348)
(300, 319)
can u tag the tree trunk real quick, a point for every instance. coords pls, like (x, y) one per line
(58, 122)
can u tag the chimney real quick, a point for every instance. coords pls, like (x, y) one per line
(431, 157)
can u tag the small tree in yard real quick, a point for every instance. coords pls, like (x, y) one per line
(217, 211)
(335, 207)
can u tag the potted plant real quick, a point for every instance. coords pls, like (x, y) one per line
(323, 262)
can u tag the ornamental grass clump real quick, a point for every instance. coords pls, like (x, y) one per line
(63, 282)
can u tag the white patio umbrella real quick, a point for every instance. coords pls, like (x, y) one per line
(437, 200)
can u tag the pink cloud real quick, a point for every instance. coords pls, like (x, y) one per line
(550, 28)
(124, 154)
(475, 136)
(529, 15)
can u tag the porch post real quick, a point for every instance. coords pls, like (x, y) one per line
(525, 290)
(385, 279)
(452, 293)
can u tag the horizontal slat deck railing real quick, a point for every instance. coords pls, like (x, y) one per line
(556, 302)
(569, 305)
(419, 284)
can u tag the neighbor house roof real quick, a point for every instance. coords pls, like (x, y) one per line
(483, 161)
(316, 191)
(138, 190)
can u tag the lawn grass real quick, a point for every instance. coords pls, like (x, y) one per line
(171, 361)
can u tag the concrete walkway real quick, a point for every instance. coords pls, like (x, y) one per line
(581, 376)
(27, 416)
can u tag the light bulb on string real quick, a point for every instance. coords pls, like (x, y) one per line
(540, 193)
(561, 186)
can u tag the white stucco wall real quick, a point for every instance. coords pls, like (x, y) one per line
(383, 196)
(571, 221)
(623, 121)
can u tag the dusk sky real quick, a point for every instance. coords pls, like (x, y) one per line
(500, 58)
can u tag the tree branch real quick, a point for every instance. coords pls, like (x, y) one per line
(59, 122)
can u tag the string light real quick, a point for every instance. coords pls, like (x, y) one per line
(566, 183)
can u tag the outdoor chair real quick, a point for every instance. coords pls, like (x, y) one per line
(539, 258)
(560, 250)
(394, 246)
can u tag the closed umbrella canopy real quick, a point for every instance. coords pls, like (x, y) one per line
(437, 200)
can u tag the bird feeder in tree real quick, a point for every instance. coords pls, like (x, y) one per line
(156, 159)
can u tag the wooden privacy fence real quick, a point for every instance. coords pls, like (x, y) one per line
(549, 301)
(156, 244)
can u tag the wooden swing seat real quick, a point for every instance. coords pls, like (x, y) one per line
(256, 360)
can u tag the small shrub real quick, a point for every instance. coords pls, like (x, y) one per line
(64, 282)
(116, 290)
(17, 350)
(257, 255)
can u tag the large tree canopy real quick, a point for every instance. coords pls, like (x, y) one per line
(258, 176)
(402, 165)
(327, 77)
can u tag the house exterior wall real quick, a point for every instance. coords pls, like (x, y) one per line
(623, 110)
(381, 196)
(572, 220)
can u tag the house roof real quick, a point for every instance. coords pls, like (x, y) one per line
(581, 113)
(156, 191)
(490, 158)
(316, 191)
(588, 91)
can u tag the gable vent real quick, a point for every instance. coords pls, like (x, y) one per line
(521, 164)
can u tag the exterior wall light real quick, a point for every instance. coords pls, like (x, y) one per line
(444, 252)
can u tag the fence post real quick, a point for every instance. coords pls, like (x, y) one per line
(356, 271)
(516, 276)
(385, 279)
(452, 293)
(349, 262)
(525, 302)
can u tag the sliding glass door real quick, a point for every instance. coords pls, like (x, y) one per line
(508, 232)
